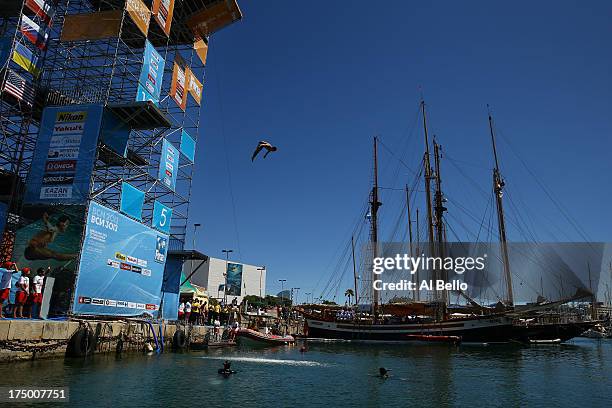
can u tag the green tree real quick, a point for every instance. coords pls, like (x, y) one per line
(349, 294)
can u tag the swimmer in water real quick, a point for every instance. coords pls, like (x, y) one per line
(37, 247)
(383, 372)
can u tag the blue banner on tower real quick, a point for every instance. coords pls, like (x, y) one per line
(114, 133)
(168, 165)
(132, 200)
(64, 156)
(162, 217)
(122, 266)
(151, 75)
(188, 146)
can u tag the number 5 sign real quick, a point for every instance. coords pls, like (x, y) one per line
(161, 217)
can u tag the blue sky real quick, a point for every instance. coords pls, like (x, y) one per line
(320, 79)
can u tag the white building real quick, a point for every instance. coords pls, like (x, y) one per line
(243, 279)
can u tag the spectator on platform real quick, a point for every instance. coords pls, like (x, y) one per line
(187, 311)
(6, 280)
(204, 313)
(23, 291)
(181, 311)
(37, 293)
(195, 311)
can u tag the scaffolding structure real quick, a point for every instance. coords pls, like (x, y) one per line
(20, 109)
(106, 71)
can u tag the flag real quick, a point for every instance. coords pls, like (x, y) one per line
(19, 87)
(33, 32)
(194, 86)
(25, 59)
(201, 49)
(42, 8)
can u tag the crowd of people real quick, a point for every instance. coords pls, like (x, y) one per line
(201, 311)
(28, 294)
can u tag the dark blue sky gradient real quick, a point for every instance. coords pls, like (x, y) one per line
(319, 79)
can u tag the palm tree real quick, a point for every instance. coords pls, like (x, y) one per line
(349, 294)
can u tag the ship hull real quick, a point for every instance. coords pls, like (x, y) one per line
(481, 330)
(498, 329)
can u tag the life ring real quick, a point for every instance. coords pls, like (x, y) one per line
(179, 340)
(81, 344)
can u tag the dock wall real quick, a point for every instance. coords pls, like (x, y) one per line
(36, 339)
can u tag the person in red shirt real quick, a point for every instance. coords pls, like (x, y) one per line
(23, 291)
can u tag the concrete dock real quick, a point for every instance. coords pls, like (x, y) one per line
(36, 339)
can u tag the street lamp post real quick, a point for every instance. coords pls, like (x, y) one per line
(260, 278)
(226, 252)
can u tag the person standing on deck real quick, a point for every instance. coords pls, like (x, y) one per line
(6, 280)
(23, 291)
(181, 311)
(187, 311)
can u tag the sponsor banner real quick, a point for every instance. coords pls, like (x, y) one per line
(66, 147)
(140, 14)
(234, 279)
(168, 165)
(163, 11)
(211, 19)
(194, 86)
(63, 153)
(162, 217)
(42, 8)
(33, 32)
(50, 236)
(92, 26)
(151, 75)
(110, 236)
(187, 146)
(58, 179)
(161, 249)
(177, 87)
(132, 200)
(201, 49)
(61, 141)
(23, 57)
(19, 87)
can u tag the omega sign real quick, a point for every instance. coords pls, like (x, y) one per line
(60, 165)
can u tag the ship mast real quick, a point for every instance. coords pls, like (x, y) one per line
(498, 188)
(374, 205)
(410, 251)
(355, 271)
(440, 233)
(428, 177)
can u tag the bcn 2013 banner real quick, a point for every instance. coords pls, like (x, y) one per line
(122, 266)
(63, 159)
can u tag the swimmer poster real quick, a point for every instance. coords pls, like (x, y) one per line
(234, 279)
(50, 236)
(122, 266)
(63, 159)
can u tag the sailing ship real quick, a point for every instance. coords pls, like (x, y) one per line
(432, 321)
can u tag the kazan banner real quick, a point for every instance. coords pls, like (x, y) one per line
(63, 159)
(122, 266)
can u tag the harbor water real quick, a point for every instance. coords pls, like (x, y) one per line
(578, 373)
